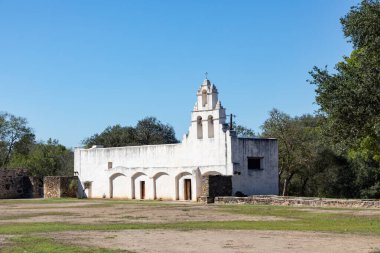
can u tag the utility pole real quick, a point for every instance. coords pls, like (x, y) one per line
(231, 121)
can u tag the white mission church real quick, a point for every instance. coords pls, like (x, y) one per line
(175, 171)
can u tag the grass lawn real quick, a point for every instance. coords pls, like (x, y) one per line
(33, 244)
(298, 220)
(23, 234)
(306, 220)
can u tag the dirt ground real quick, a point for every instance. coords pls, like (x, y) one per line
(222, 241)
(95, 212)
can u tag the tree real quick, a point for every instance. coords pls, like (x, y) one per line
(148, 131)
(46, 159)
(350, 98)
(14, 132)
(18, 148)
(330, 175)
(243, 131)
(151, 131)
(298, 145)
(113, 136)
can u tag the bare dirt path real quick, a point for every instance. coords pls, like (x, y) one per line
(95, 213)
(222, 241)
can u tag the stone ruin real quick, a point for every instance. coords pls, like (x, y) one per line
(61, 187)
(299, 201)
(214, 186)
(18, 183)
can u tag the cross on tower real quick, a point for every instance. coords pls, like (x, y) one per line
(206, 74)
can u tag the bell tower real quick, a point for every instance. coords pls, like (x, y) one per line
(208, 115)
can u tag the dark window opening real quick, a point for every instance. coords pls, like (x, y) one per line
(254, 163)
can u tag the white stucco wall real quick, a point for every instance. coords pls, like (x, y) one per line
(164, 168)
(203, 155)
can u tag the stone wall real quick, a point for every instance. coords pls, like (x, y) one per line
(37, 187)
(17, 183)
(215, 185)
(299, 201)
(61, 187)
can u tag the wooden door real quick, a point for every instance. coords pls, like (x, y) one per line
(142, 189)
(187, 189)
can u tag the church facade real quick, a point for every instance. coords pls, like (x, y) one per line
(175, 171)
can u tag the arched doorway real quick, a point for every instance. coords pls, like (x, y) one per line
(211, 173)
(139, 186)
(162, 189)
(118, 186)
(185, 187)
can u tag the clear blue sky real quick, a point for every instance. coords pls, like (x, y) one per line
(73, 68)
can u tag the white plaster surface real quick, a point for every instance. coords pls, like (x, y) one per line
(163, 168)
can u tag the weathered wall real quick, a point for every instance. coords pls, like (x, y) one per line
(263, 181)
(17, 183)
(37, 184)
(299, 201)
(60, 187)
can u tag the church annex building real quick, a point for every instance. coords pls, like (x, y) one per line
(175, 171)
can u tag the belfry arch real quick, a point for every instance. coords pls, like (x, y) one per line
(210, 124)
(204, 98)
(199, 128)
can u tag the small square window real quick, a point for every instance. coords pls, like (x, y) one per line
(109, 165)
(255, 163)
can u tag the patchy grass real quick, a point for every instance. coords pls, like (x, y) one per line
(31, 215)
(43, 245)
(294, 212)
(316, 222)
(307, 220)
(40, 201)
(130, 217)
(84, 203)
(296, 219)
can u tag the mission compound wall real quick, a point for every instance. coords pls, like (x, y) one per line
(175, 171)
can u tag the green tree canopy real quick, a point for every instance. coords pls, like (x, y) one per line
(243, 131)
(350, 98)
(46, 159)
(148, 131)
(19, 149)
(14, 133)
(298, 144)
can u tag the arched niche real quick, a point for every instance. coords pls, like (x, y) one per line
(162, 186)
(118, 186)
